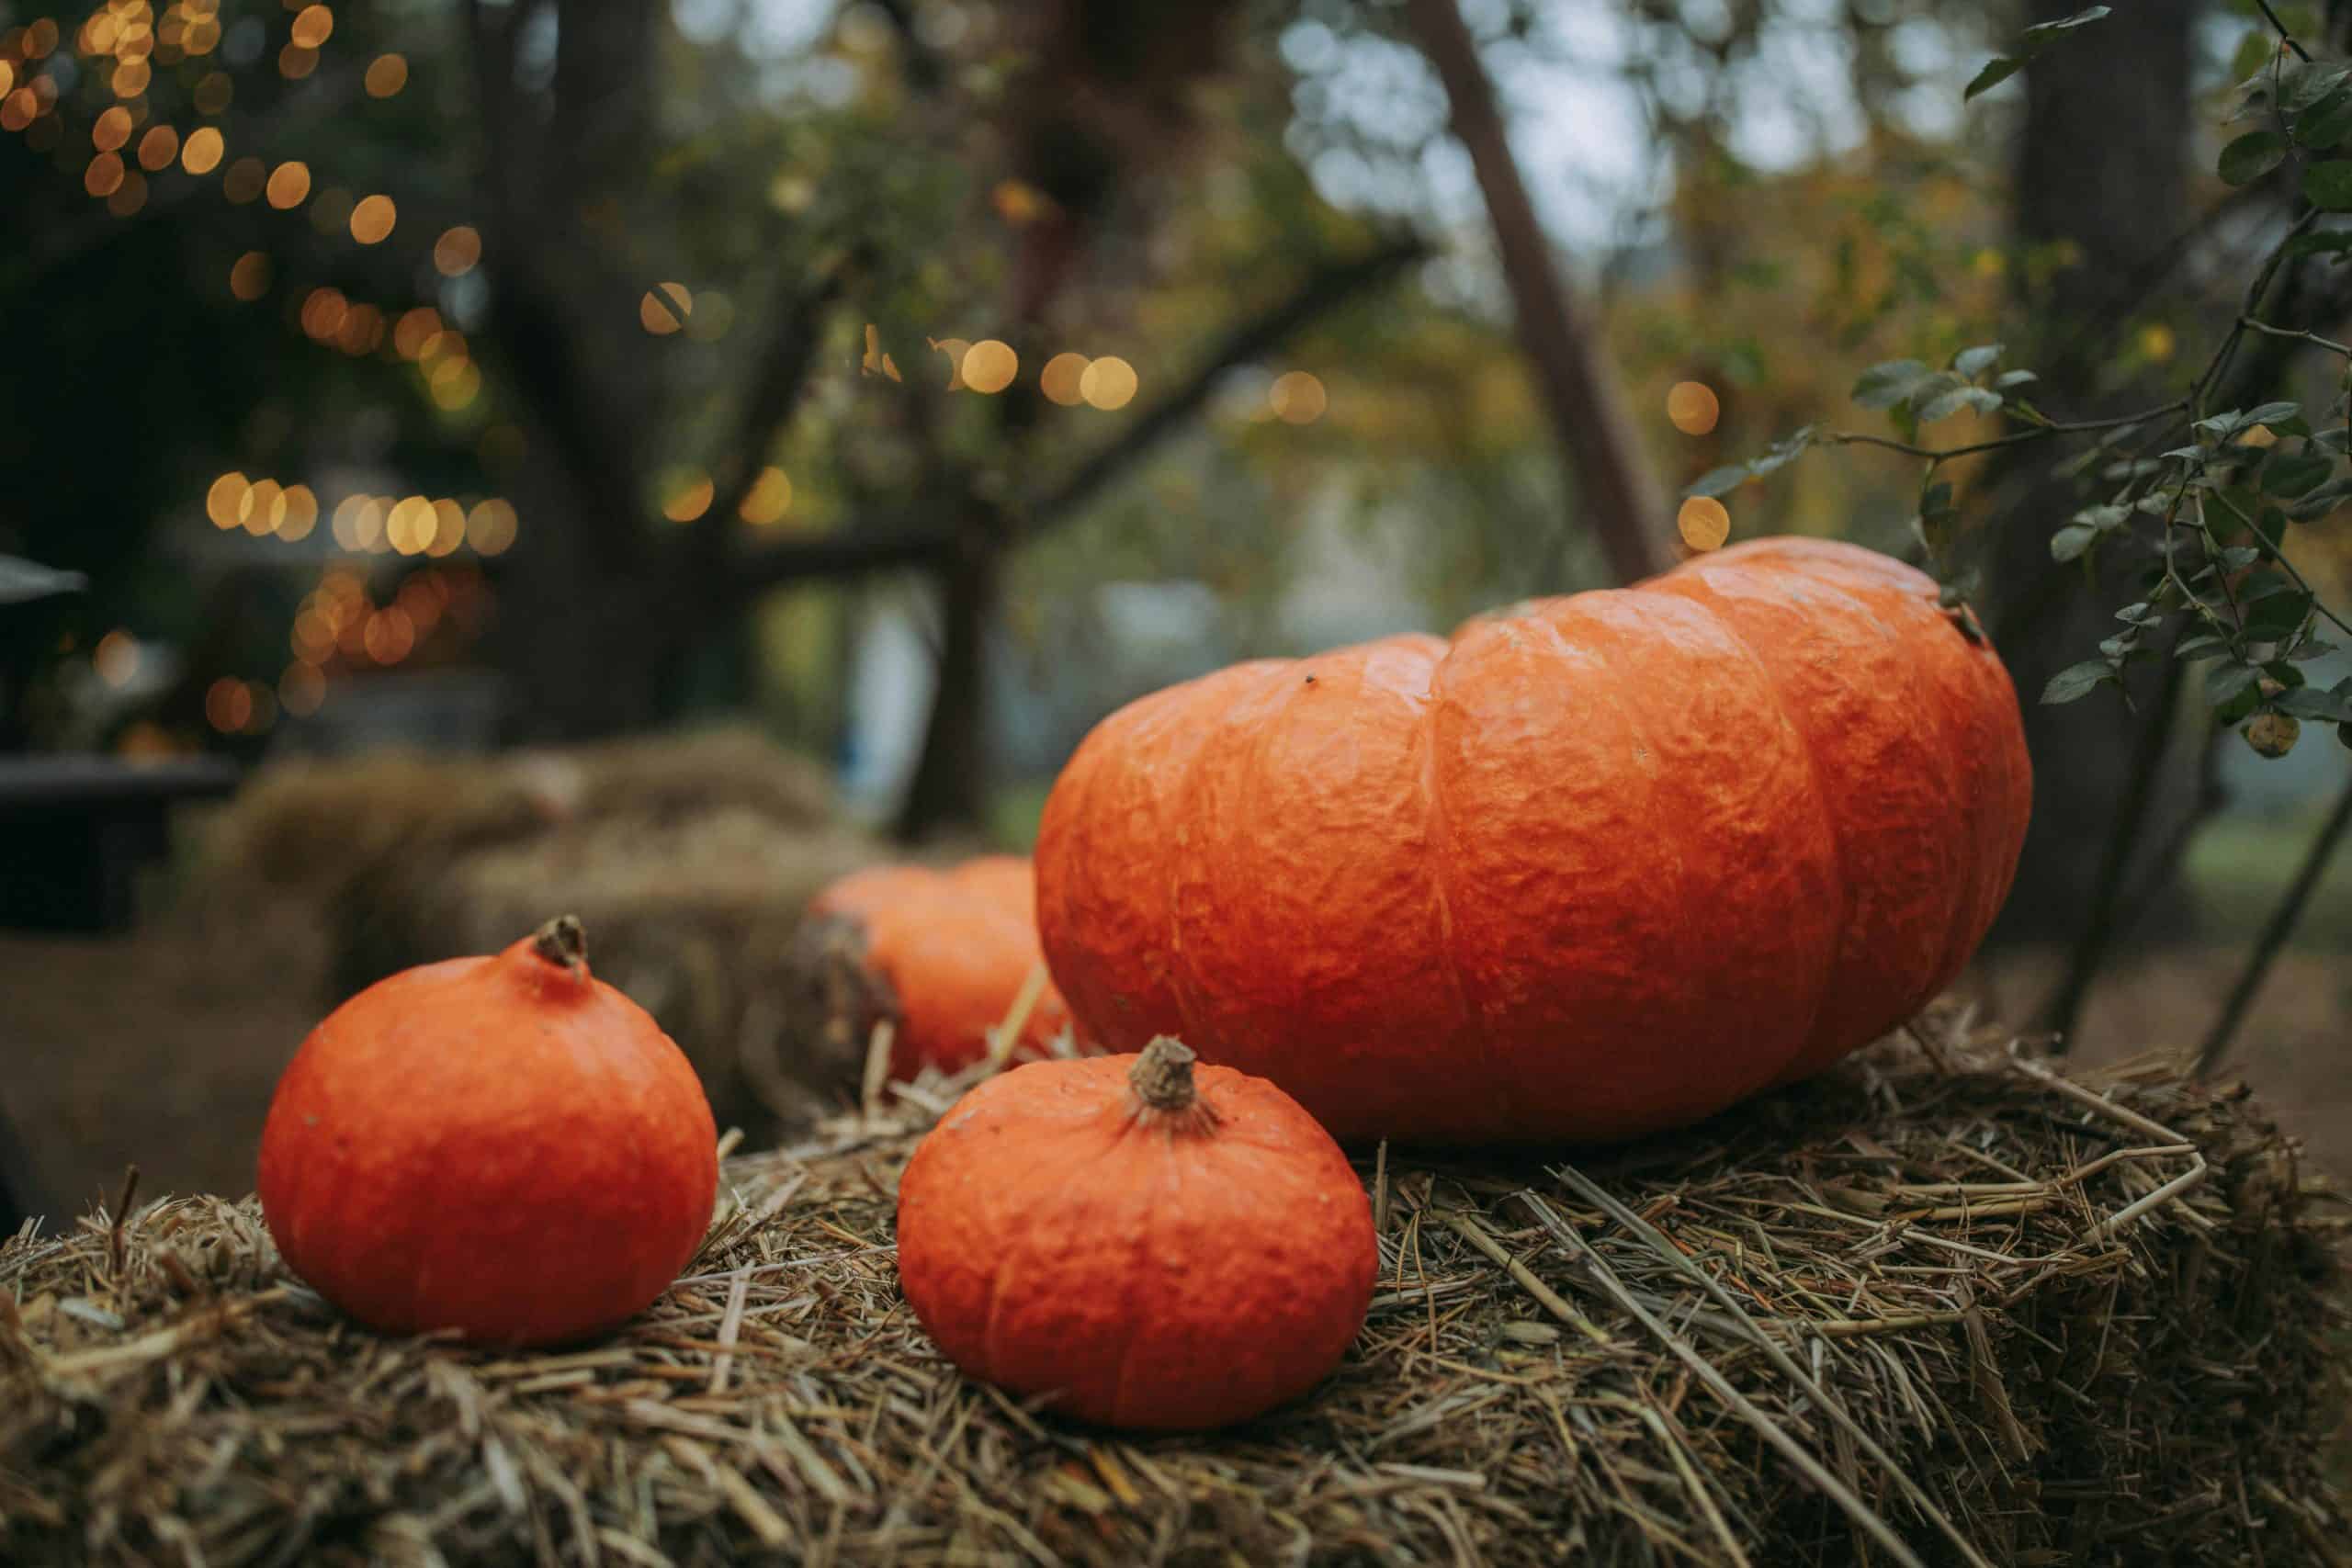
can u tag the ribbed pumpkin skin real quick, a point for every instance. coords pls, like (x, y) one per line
(501, 1145)
(1599, 866)
(1147, 1277)
(955, 947)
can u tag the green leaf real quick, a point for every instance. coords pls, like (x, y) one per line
(2306, 84)
(2323, 501)
(2328, 243)
(1884, 386)
(2251, 156)
(2120, 644)
(2304, 703)
(2340, 438)
(2329, 185)
(2297, 476)
(1997, 70)
(2271, 414)
(2103, 518)
(2015, 378)
(2237, 557)
(2077, 681)
(2069, 542)
(2253, 54)
(2041, 33)
(2276, 614)
(2139, 614)
(2207, 646)
(2228, 681)
(1719, 481)
(1946, 396)
(2327, 123)
(1976, 361)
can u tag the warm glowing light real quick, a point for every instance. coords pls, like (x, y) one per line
(7, 76)
(372, 219)
(313, 637)
(387, 74)
(103, 176)
(955, 348)
(130, 196)
(454, 384)
(457, 251)
(1703, 522)
(201, 153)
(322, 313)
(414, 329)
(298, 513)
(1692, 408)
(1107, 383)
(158, 148)
(769, 499)
(490, 529)
(131, 78)
(390, 636)
(228, 705)
(245, 179)
(989, 366)
(39, 38)
(361, 332)
(2157, 342)
(115, 657)
(112, 129)
(410, 527)
(688, 499)
(17, 110)
(294, 62)
(877, 363)
(248, 278)
(1018, 202)
(448, 533)
(312, 25)
(225, 499)
(263, 509)
(447, 344)
(1297, 398)
(664, 307)
(1059, 379)
(288, 184)
(302, 690)
(346, 526)
(214, 93)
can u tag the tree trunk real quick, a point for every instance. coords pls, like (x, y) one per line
(2128, 76)
(950, 787)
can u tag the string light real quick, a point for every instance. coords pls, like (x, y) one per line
(457, 251)
(248, 278)
(769, 499)
(989, 366)
(387, 74)
(201, 153)
(664, 309)
(1703, 522)
(223, 500)
(294, 62)
(158, 148)
(372, 219)
(112, 129)
(103, 176)
(688, 499)
(1107, 383)
(115, 657)
(1059, 379)
(1297, 398)
(1692, 408)
(288, 184)
(313, 26)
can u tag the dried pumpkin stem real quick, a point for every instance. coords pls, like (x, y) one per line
(562, 941)
(1162, 1079)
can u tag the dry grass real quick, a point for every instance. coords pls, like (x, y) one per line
(1940, 1303)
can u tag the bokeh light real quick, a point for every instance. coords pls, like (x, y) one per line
(245, 179)
(298, 513)
(294, 62)
(1297, 397)
(387, 74)
(688, 497)
(1107, 383)
(1703, 522)
(665, 308)
(249, 277)
(228, 705)
(989, 366)
(302, 690)
(201, 153)
(1692, 408)
(288, 184)
(130, 196)
(372, 219)
(312, 25)
(953, 348)
(103, 176)
(414, 330)
(112, 129)
(115, 657)
(769, 499)
(225, 499)
(390, 635)
(490, 527)
(158, 148)
(263, 508)
(409, 527)
(449, 530)
(458, 250)
(1059, 379)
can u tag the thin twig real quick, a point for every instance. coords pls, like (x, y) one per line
(2275, 932)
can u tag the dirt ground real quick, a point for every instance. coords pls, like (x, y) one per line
(162, 1050)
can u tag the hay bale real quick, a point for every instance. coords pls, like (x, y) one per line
(690, 859)
(1977, 1302)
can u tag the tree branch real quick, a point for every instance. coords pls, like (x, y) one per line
(768, 406)
(2275, 932)
(1621, 496)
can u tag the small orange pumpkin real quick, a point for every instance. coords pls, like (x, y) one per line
(1152, 1250)
(507, 1147)
(1597, 865)
(942, 955)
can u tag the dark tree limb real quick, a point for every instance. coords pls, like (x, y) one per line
(2060, 1012)
(1618, 493)
(2275, 932)
(768, 406)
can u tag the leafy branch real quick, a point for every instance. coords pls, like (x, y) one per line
(2208, 515)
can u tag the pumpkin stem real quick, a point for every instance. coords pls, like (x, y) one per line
(562, 941)
(1162, 1079)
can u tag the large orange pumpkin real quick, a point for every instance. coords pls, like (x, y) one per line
(505, 1146)
(1142, 1248)
(1600, 864)
(941, 954)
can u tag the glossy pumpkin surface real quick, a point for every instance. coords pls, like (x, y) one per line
(942, 955)
(1147, 1248)
(1597, 865)
(504, 1146)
